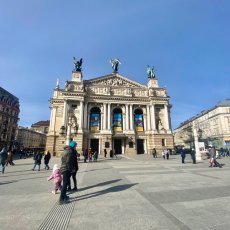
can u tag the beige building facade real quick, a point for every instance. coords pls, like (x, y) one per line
(213, 125)
(110, 112)
(29, 139)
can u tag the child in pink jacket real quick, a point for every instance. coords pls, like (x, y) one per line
(57, 177)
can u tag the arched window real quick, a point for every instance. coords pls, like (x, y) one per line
(117, 120)
(95, 119)
(138, 120)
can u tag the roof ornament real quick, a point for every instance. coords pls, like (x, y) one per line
(77, 64)
(115, 63)
(57, 84)
(150, 72)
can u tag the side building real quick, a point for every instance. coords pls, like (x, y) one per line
(9, 116)
(27, 138)
(41, 126)
(212, 125)
(110, 112)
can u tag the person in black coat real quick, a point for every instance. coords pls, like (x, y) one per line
(37, 160)
(47, 159)
(68, 166)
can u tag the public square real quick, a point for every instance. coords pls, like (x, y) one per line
(130, 192)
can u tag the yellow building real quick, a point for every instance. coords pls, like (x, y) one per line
(110, 112)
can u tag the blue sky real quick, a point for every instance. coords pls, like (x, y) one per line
(187, 41)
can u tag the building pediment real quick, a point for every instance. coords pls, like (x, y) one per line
(115, 80)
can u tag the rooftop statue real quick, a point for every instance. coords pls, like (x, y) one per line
(115, 63)
(77, 64)
(150, 72)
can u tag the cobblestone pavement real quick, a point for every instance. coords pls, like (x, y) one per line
(130, 192)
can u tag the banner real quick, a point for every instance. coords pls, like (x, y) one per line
(94, 121)
(139, 122)
(117, 122)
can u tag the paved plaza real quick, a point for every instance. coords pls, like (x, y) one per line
(131, 192)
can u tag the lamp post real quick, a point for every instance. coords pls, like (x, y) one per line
(196, 133)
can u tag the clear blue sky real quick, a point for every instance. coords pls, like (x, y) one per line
(187, 41)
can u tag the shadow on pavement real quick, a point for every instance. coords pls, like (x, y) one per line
(117, 188)
(7, 182)
(99, 184)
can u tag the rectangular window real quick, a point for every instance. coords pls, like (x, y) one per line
(107, 144)
(163, 142)
(130, 144)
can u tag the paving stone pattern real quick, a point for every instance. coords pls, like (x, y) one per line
(131, 192)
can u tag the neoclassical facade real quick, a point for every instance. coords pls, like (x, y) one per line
(214, 126)
(110, 112)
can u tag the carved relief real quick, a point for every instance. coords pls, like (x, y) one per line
(115, 81)
(160, 93)
(140, 93)
(99, 90)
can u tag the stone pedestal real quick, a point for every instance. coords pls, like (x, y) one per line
(77, 76)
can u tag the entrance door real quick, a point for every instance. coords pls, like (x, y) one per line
(94, 145)
(140, 146)
(118, 146)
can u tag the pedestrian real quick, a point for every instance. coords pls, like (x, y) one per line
(183, 155)
(154, 152)
(95, 156)
(163, 154)
(85, 154)
(3, 159)
(193, 156)
(73, 173)
(89, 154)
(10, 158)
(47, 159)
(21, 154)
(105, 152)
(37, 161)
(167, 154)
(57, 179)
(111, 153)
(68, 165)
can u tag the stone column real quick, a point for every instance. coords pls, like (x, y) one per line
(148, 118)
(123, 121)
(131, 117)
(104, 116)
(81, 115)
(85, 115)
(109, 117)
(166, 118)
(153, 122)
(64, 113)
(54, 118)
(144, 117)
(51, 119)
(127, 117)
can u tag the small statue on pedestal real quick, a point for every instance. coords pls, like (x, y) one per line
(150, 72)
(115, 63)
(77, 64)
